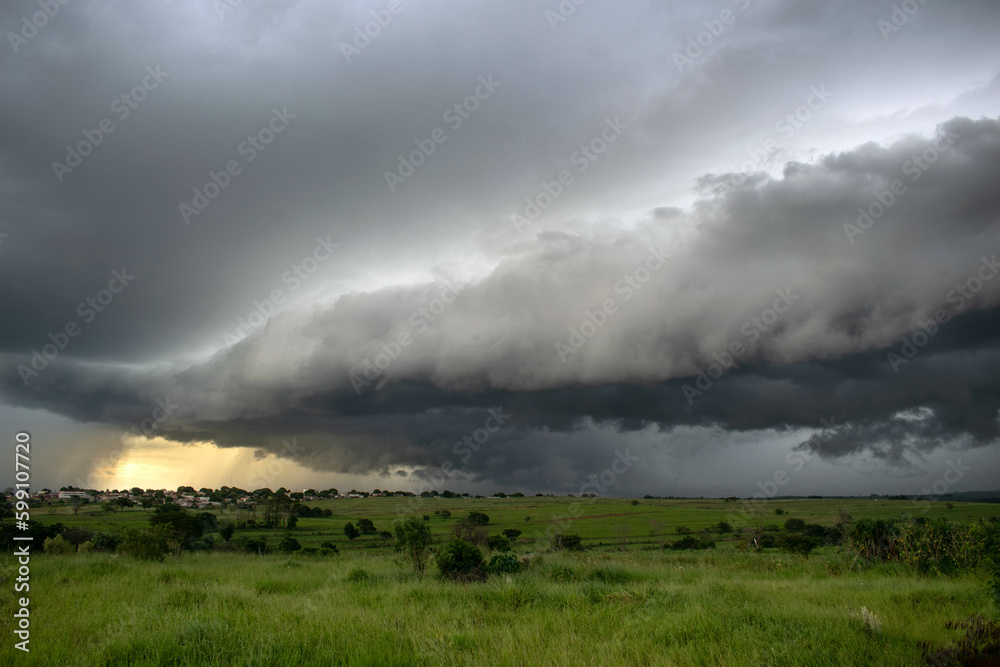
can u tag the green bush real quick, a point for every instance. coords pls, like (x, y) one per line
(690, 542)
(571, 542)
(359, 576)
(104, 542)
(511, 534)
(85, 548)
(413, 538)
(289, 544)
(148, 544)
(503, 563)
(58, 546)
(795, 525)
(798, 544)
(479, 518)
(498, 543)
(255, 546)
(460, 560)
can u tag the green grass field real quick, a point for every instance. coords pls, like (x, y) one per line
(604, 605)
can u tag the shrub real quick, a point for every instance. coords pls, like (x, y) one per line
(512, 534)
(503, 563)
(561, 573)
(571, 542)
(413, 537)
(816, 530)
(149, 544)
(723, 527)
(330, 546)
(255, 547)
(227, 530)
(460, 560)
(682, 530)
(351, 531)
(498, 543)
(691, 542)
(289, 544)
(366, 527)
(85, 548)
(634, 503)
(104, 542)
(58, 546)
(359, 576)
(779, 511)
(479, 518)
(470, 532)
(798, 544)
(77, 536)
(795, 525)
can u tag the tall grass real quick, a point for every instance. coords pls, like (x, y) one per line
(650, 607)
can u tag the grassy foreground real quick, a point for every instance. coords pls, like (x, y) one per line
(645, 607)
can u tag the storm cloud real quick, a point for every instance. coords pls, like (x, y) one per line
(284, 238)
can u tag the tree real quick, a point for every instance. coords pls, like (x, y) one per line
(511, 534)
(183, 525)
(351, 531)
(798, 544)
(460, 560)
(75, 503)
(58, 545)
(413, 537)
(498, 543)
(479, 518)
(289, 544)
(227, 530)
(366, 527)
(794, 525)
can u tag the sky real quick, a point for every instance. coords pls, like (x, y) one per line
(667, 248)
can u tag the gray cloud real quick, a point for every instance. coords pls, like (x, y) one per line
(671, 188)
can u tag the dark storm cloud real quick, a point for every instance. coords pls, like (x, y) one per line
(497, 343)
(720, 265)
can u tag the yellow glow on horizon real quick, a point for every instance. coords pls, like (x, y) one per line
(164, 464)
